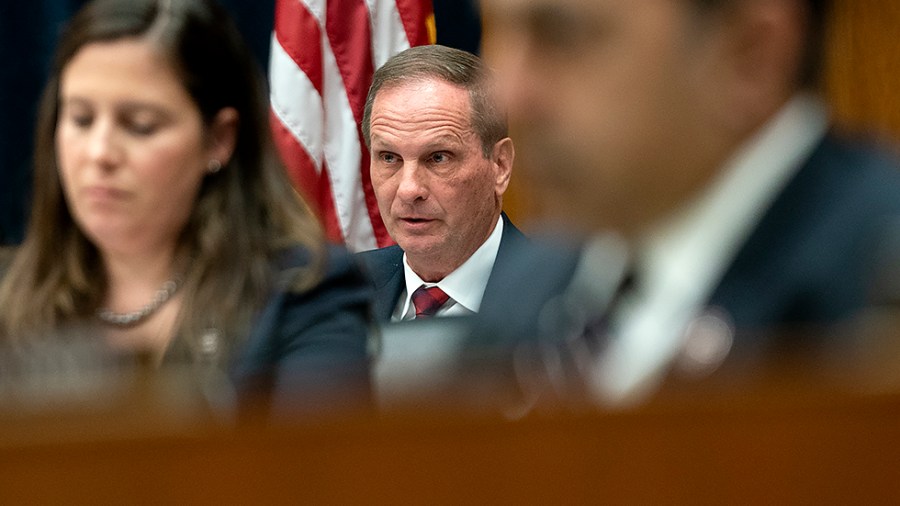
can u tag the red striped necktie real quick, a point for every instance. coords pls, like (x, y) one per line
(428, 301)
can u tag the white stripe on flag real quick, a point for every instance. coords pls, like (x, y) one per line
(342, 157)
(388, 33)
(296, 102)
(317, 9)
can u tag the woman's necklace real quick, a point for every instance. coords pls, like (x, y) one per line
(132, 318)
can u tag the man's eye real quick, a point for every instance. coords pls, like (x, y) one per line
(388, 157)
(558, 28)
(440, 157)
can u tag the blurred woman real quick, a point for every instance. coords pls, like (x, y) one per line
(162, 221)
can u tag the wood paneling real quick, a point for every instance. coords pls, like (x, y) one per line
(863, 67)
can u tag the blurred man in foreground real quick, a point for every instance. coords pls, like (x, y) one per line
(686, 138)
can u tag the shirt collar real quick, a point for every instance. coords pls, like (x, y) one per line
(683, 258)
(466, 284)
(690, 250)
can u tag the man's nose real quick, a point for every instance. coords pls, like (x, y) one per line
(413, 182)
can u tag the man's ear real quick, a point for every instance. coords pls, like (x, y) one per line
(223, 135)
(764, 53)
(503, 156)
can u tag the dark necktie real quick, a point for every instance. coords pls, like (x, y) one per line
(597, 328)
(428, 301)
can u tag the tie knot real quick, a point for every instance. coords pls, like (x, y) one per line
(428, 300)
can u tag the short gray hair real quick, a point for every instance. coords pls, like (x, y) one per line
(487, 116)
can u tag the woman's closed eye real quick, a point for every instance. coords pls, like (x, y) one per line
(141, 127)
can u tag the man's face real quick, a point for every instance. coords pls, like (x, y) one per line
(438, 194)
(613, 103)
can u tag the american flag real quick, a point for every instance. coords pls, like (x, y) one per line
(322, 59)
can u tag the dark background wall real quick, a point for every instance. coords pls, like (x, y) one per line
(28, 32)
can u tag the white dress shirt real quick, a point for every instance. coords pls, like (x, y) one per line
(682, 259)
(465, 285)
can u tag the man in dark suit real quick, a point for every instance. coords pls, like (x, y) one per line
(692, 131)
(441, 161)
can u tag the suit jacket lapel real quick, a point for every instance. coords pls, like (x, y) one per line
(386, 269)
(512, 244)
(389, 282)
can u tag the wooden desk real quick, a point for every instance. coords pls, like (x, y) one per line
(788, 447)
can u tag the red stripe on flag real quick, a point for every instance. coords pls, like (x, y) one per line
(313, 185)
(296, 160)
(413, 14)
(298, 33)
(329, 212)
(381, 234)
(349, 31)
